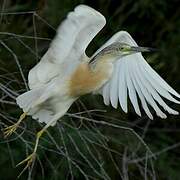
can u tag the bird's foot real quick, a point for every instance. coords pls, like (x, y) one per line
(29, 162)
(10, 129)
(30, 159)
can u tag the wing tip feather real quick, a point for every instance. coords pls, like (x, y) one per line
(90, 10)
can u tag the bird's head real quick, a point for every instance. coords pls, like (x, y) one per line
(124, 49)
(118, 50)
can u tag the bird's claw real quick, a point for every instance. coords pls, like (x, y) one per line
(10, 129)
(29, 160)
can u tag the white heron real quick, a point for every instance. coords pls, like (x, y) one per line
(116, 71)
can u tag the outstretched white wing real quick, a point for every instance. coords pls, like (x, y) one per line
(134, 77)
(69, 45)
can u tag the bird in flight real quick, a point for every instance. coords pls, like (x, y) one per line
(116, 71)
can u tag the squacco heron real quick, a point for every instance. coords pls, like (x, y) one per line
(116, 71)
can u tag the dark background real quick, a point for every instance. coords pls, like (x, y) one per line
(94, 145)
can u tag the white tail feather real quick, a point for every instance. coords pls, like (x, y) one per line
(48, 110)
(42, 114)
(26, 99)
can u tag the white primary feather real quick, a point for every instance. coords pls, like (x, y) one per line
(69, 45)
(122, 87)
(134, 77)
(106, 94)
(113, 88)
